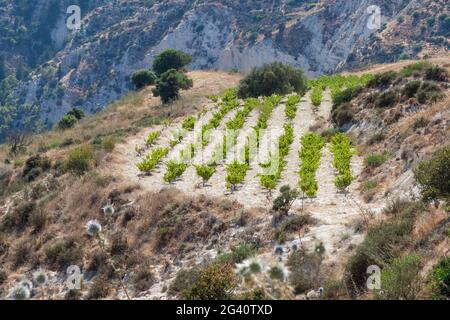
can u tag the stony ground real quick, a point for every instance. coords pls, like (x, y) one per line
(336, 214)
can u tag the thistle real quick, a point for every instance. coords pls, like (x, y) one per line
(20, 293)
(40, 277)
(109, 210)
(93, 228)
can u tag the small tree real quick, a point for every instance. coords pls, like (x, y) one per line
(284, 202)
(142, 78)
(170, 59)
(433, 176)
(216, 282)
(205, 172)
(169, 85)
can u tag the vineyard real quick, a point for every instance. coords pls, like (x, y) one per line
(221, 151)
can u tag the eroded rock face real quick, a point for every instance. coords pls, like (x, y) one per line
(91, 67)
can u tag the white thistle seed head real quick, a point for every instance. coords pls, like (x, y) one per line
(93, 228)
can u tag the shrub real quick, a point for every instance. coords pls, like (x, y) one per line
(170, 83)
(67, 122)
(143, 279)
(305, 268)
(284, 202)
(64, 253)
(345, 95)
(77, 113)
(34, 166)
(216, 282)
(205, 172)
(19, 218)
(386, 99)
(276, 273)
(142, 78)
(342, 115)
(440, 278)
(382, 80)
(184, 281)
(189, 123)
(375, 160)
(417, 67)
(382, 244)
(170, 59)
(410, 89)
(108, 144)
(436, 73)
(401, 280)
(429, 91)
(420, 123)
(274, 78)
(433, 176)
(79, 160)
(237, 254)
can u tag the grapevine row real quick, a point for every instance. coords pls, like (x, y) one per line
(291, 106)
(310, 153)
(341, 147)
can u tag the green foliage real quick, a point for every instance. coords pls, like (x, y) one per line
(440, 278)
(285, 200)
(70, 119)
(64, 253)
(236, 173)
(152, 159)
(170, 59)
(189, 123)
(341, 147)
(386, 99)
(417, 67)
(266, 110)
(375, 160)
(142, 78)
(383, 243)
(174, 170)
(170, 83)
(429, 92)
(274, 78)
(410, 89)
(269, 179)
(433, 176)
(383, 80)
(401, 280)
(310, 154)
(237, 254)
(291, 106)
(79, 160)
(239, 120)
(34, 166)
(151, 138)
(205, 172)
(216, 282)
(317, 96)
(345, 95)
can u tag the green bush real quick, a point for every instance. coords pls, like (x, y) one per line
(383, 79)
(436, 73)
(433, 176)
(305, 269)
(64, 253)
(79, 160)
(345, 95)
(343, 114)
(184, 281)
(440, 279)
(274, 78)
(170, 59)
(170, 83)
(216, 282)
(417, 67)
(429, 92)
(34, 166)
(67, 122)
(410, 89)
(401, 280)
(386, 99)
(143, 78)
(237, 254)
(375, 160)
(383, 243)
(284, 202)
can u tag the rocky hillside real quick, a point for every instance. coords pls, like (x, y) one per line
(90, 68)
(80, 197)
